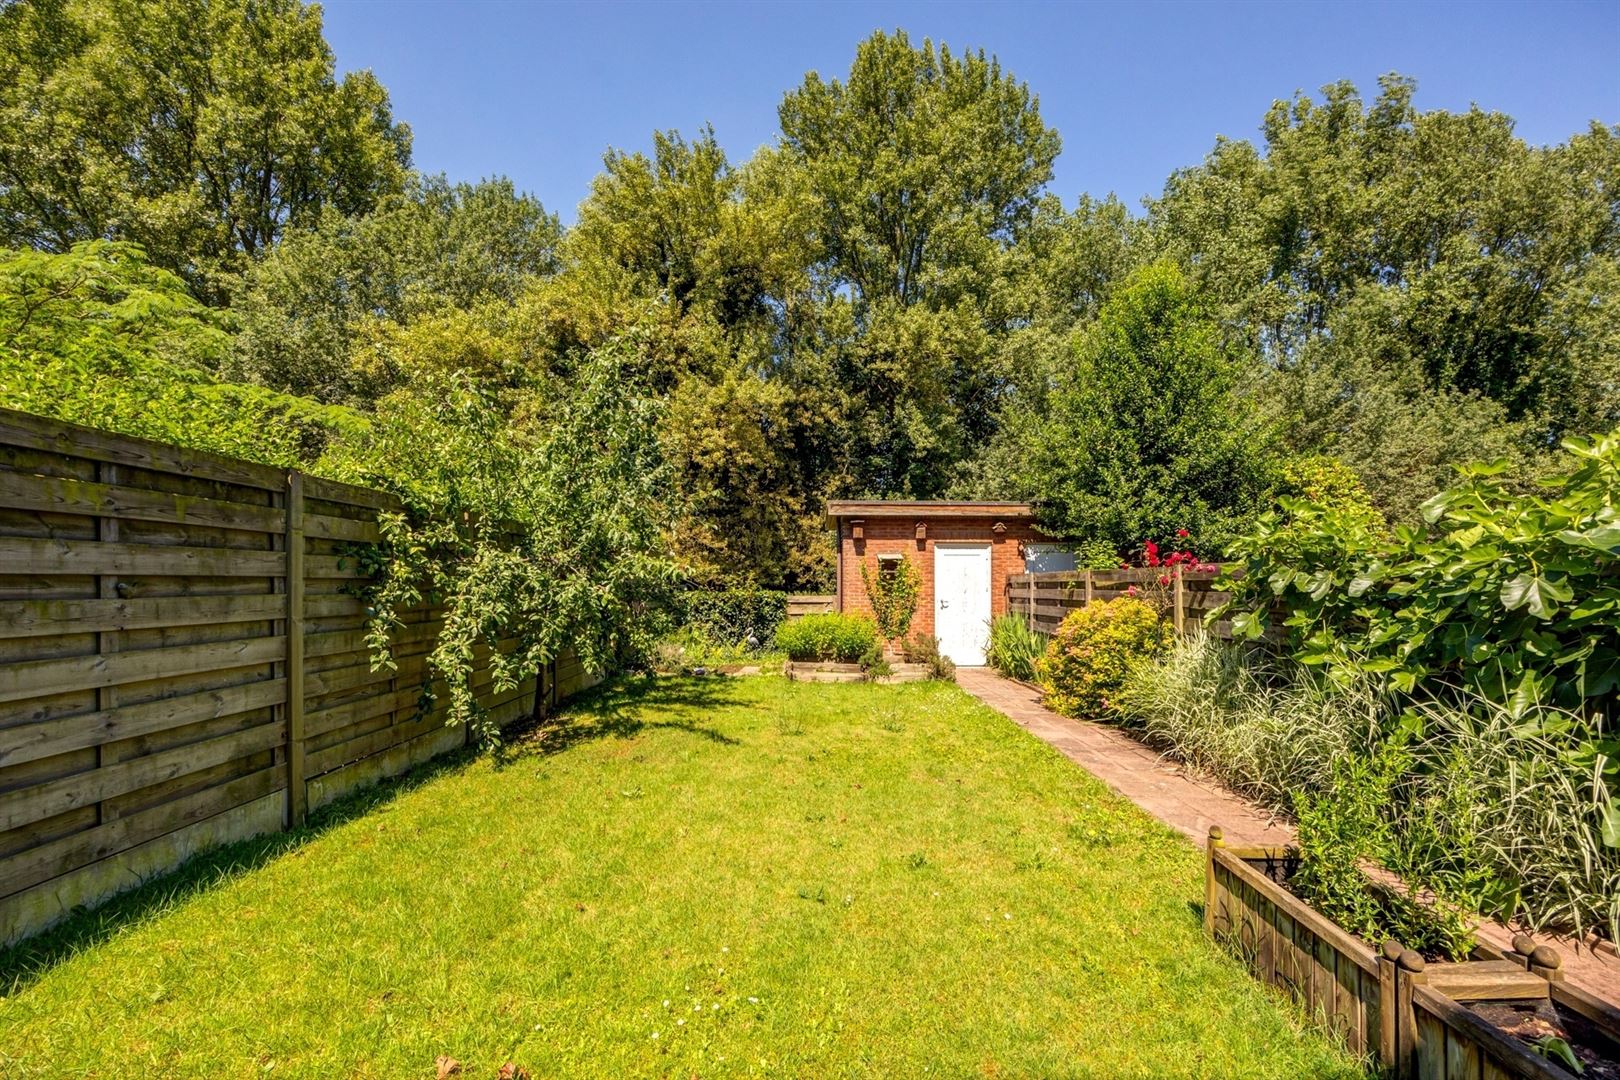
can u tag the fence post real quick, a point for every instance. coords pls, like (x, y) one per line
(297, 793)
(1031, 620)
(1088, 586)
(1180, 598)
(1217, 838)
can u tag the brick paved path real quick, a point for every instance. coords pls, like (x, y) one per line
(1191, 805)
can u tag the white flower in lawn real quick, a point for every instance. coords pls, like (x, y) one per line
(753, 1001)
(681, 1022)
(1006, 914)
(655, 1034)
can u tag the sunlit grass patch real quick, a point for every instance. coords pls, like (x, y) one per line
(707, 877)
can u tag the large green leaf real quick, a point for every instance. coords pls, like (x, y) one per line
(1540, 595)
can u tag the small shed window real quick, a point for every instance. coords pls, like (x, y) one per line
(888, 566)
(1047, 558)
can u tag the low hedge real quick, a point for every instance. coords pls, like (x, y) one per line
(732, 616)
(841, 638)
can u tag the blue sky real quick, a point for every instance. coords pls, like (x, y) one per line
(537, 91)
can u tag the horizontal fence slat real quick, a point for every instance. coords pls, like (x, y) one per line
(333, 491)
(72, 440)
(38, 678)
(56, 495)
(30, 742)
(31, 618)
(25, 805)
(47, 557)
(326, 527)
(29, 868)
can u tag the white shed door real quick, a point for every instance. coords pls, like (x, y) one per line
(962, 601)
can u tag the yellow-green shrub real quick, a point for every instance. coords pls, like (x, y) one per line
(1088, 658)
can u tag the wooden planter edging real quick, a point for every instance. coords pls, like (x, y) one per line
(1388, 1002)
(1334, 974)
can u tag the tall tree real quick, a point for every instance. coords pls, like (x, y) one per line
(1145, 432)
(1379, 255)
(200, 129)
(923, 165)
(306, 307)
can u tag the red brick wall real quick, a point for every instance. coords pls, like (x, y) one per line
(887, 536)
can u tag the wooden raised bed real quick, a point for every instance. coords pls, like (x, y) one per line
(1421, 1021)
(1342, 983)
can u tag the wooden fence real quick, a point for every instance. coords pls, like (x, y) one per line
(800, 604)
(183, 660)
(1045, 599)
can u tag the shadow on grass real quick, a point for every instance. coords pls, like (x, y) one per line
(617, 709)
(608, 710)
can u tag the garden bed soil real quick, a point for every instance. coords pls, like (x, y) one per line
(1529, 1022)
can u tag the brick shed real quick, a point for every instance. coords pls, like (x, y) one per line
(963, 552)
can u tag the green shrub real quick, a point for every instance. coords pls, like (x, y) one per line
(1087, 660)
(1350, 825)
(1507, 816)
(1015, 647)
(1511, 596)
(733, 616)
(841, 638)
(924, 649)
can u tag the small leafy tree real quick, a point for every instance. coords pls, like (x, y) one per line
(1146, 433)
(536, 537)
(893, 595)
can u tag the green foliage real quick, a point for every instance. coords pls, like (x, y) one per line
(735, 616)
(1015, 647)
(1511, 596)
(100, 337)
(892, 592)
(200, 129)
(1425, 287)
(534, 542)
(1499, 815)
(1087, 660)
(921, 165)
(924, 649)
(1145, 433)
(832, 637)
(309, 309)
(1345, 828)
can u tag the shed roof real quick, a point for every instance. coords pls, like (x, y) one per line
(873, 508)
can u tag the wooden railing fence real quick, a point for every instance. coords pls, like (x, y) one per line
(183, 660)
(1045, 599)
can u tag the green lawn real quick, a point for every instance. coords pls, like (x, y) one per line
(694, 878)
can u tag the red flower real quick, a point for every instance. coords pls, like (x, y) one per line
(1152, 550)
(1183, 533)
(1164, 579)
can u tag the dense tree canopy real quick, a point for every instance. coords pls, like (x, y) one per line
(885, 302)
(200, 129)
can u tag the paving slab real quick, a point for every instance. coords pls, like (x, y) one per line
(1190, 803)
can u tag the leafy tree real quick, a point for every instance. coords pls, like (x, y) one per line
(201, 129)
(100, 337)
(536, 515)
(1146, 432)
(308, 307)
(924, 166)
(1426, 287)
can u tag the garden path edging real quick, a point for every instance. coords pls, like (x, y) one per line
(1190, 805)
